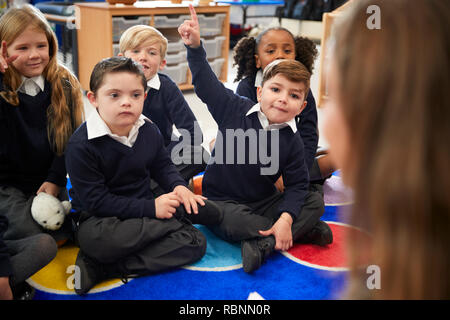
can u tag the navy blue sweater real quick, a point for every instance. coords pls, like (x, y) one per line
(26, 157)
(111, 179)
(167, 107)
(245, 182)
(306, 121)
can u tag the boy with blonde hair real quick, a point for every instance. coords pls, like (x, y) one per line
(165, 104)
(241, 181)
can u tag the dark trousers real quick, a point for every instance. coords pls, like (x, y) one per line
(187, 169)
(243, 221)
(29, 255)
(16, 206)
(141, 246)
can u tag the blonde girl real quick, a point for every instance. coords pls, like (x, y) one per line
(40, 107)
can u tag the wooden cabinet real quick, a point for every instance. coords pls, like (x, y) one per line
(95, 23)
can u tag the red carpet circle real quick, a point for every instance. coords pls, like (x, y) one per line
(331, 257)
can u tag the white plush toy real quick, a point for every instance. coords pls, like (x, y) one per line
(48, 211)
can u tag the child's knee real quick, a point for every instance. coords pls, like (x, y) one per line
(195, 240)
(314, 202)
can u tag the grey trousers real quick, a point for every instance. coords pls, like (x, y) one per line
(29, 255)
(16, 206)
(243, 221)
(140, 246)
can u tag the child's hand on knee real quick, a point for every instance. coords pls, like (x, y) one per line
(166, 205)
(189, 30)
(189, 199)
(282, 231)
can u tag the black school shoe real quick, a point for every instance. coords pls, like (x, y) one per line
(93, 272)
(210, 214)
(255, 251)
(320, 235)
(23, 291)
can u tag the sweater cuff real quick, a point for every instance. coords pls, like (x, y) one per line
(196, 52)
(150, 209)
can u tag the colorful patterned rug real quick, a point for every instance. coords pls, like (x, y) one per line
(303, 272)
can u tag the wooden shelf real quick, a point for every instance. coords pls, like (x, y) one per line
(95, 35)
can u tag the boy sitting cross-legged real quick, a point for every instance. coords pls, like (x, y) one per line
(238, 177)
(123, 229)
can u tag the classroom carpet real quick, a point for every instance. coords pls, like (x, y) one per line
(304, 272)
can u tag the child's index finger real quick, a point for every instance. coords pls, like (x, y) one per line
(4, 49)
(193, 13)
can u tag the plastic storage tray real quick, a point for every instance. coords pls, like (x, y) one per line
(177, 72)
(173, 58)
(213, 21)
(172, 21)
(211, 25)
(175, 46)
(216, 66)
(120, 24)
(213, 47)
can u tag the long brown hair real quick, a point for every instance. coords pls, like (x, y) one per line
(65, 113)
(392, 87)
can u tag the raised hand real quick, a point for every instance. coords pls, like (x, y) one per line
(189, 30)
(4, 59)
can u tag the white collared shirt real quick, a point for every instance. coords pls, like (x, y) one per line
(154, 83)
(265, 122)
(258, 78)
(32, 86)
(96, 127)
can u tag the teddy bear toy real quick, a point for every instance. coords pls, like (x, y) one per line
(48, 211)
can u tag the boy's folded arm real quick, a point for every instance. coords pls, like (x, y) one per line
(221, 101)
(296, 182)
(57, 171)
(93, 194)
(309, 132)
(164, 172)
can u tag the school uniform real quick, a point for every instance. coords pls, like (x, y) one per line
(245, 189)
(306, 121)
(165, 106)
(27, 159)
(110, 176)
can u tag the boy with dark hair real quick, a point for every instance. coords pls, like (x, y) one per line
(110, 159)
(241, 181)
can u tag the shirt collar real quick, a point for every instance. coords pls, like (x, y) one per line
(96, 128)
(265, 122)
(154, 82)
(30, 85)
(258, 78)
